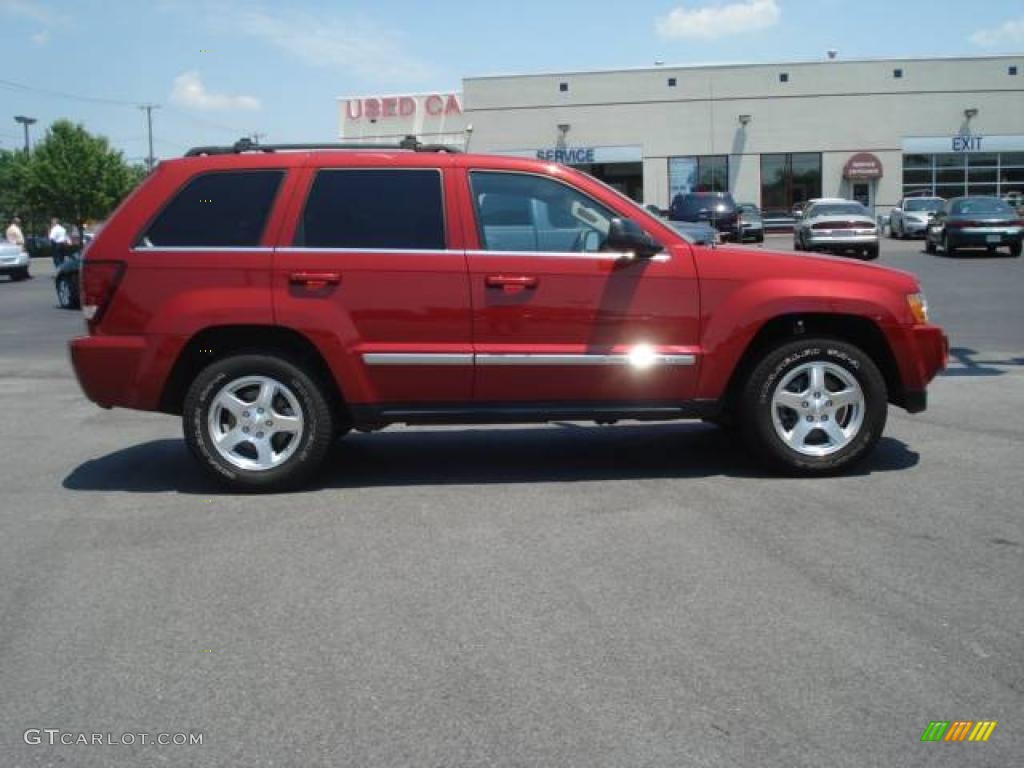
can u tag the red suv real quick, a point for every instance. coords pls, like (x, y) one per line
(276, 297)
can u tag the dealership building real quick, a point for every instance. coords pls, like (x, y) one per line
(771, 134)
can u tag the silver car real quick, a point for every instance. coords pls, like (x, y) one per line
(13, 261)
(910, 218)
(837, 226)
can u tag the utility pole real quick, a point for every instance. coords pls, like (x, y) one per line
(150, 160)
(26, 122)
(256, 136)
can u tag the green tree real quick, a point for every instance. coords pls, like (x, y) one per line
(76, 176)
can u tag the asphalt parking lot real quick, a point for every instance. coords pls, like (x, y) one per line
(565, 595)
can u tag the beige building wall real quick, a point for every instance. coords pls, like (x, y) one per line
(837, 108)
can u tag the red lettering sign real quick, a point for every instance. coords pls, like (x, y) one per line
(387, 107)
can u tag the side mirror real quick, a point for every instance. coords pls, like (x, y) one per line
(626, 235)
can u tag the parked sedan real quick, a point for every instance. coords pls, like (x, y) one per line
(715, 208)
(912, 215)
(696, 232)
(751, 224)
(842, 226)
(975, 222)
(13, 261)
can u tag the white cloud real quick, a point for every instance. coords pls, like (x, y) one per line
(42, 37)
(1009, 34)
(189, 92)
(713, 21)
(336, 42)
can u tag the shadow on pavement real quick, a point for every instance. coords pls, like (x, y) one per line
(972, 366)
(402, 457)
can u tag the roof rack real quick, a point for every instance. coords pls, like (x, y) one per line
(409, 143)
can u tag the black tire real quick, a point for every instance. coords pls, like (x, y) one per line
(314, 441)
(946, 247)
(67, 293)
(929, 246)
(19, 275)
(759, 239)
(871, 253)
(756, 416)
(892, 232)
(1015, 250)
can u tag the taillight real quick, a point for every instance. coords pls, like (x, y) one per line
(99, 280)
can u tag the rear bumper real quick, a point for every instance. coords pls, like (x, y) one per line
(841, 242)
(911, 227)
(123, 371)
(921, 353)
(983, 237)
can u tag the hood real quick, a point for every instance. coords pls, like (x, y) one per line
(741, 264)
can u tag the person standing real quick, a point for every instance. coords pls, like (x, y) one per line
(14, 234)
(59, 241)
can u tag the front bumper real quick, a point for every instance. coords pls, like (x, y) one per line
(921, 353)
(913, 227)
(9, 264)
(984, 237)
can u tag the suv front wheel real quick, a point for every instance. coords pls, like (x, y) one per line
(257, 423)
(814, 406)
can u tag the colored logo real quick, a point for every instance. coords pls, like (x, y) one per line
(958, 730)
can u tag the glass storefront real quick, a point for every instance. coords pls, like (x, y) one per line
(789, 178)
(956, 174)
(697, 173)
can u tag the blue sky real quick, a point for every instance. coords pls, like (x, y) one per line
(221, 68)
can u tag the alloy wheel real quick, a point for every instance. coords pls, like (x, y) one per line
(818, 408)
(255, 423)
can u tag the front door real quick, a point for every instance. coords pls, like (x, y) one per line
(556, 317)
(374, 273)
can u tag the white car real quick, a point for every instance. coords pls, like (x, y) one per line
(837, 226)
(13, 261)
(912, 215)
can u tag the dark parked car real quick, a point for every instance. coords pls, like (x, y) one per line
(975, 222)
(695, 232)
(66, 281)
(715, 208)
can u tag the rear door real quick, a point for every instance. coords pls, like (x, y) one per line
(557, 318)
(373, 270)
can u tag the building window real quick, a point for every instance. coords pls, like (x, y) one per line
(671, 82)
(707, 173)
(972, 173)
(897, 73)
(1012, 70)
(788, 179)
(784, 77)
(563, 87)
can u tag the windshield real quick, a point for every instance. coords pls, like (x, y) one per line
(837, 209)
(973, 205)
(924, 204)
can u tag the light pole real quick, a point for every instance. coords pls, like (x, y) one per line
(26, 122)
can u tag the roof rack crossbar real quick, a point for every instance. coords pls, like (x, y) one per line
(409, 143)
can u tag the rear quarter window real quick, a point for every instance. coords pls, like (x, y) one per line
(216, 209)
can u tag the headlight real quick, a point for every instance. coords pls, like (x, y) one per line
(918, 307)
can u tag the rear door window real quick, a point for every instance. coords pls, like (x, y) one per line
(218, 209)
(395, 209)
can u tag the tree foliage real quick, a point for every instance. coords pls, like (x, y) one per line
(70, 174)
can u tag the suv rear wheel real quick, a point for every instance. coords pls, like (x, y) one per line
(814, 406)
(257, 422)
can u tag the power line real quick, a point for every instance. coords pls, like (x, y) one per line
(61, 94)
